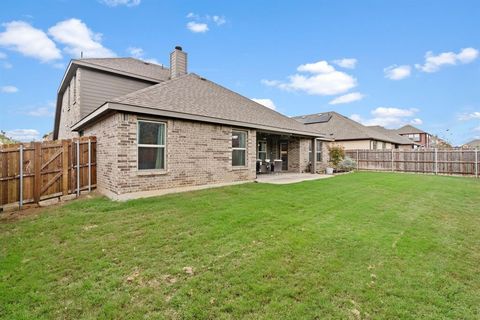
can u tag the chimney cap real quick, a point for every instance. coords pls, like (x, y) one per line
(178, 48)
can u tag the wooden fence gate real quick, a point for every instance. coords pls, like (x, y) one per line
(36, 171)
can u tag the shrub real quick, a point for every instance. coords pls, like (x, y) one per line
(336, 153)
(347, 164)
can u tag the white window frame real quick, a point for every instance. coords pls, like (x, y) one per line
(266, 148)
(164, 146)
(318, 150)
(245, 148)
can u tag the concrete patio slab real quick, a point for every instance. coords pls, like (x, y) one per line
(286, 178)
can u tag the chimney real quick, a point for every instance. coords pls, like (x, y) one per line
(178, 63)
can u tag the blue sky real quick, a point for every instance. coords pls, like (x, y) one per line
(379, 62)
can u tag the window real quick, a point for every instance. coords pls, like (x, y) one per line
(374, 145)
(151, 138)
(319, 145)
(74, 81)
(384, 145)
(239, 150)
(310, 144)
(262, 150)
(414, 136)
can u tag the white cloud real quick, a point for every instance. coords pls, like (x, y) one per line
(78, 38)
(416, 121)
(192, 15)
(347, 98)
(114, 3)
(317, 67)
(395, 72)
(197, 27)
(219, 20)
(139, 53)
(393, 112)
(7, 65)
(23, 135)
(266, 102)
(135, 52)
(433, 63)
(469, 116)
(8, 89)
(477, 129)
(389, 117)
(325, 80)
(348, 63)
(20, 36)
(3, 55)
(47, 110)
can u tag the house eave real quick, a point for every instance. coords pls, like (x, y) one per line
(112, 106)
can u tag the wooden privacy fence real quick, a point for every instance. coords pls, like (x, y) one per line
(436, 161)
(36, 171)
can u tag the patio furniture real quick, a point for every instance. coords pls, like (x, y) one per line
(277, 165)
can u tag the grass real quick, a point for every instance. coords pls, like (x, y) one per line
(364, 245)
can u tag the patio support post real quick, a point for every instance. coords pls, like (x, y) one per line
(89, 165)
(78, 167)
(313, 159)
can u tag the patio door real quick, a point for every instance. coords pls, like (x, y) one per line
(284, 155)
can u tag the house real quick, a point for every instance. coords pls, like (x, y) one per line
(474, 144)
(416, 135)
(160, 129)
(353, 135)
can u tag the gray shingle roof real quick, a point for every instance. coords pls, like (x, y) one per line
(193, 95)
(473, 144)
(392, 134)
(408, 129)
(342, 128)
(132, 66)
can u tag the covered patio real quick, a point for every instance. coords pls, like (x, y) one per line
(279, 153)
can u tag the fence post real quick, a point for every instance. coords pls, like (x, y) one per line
(358, 165)
(392, 159)
(89, 165)
(436, 161)
(37, 178)
(476, 163)
(20, 194)
(65, 158)
(78, 167)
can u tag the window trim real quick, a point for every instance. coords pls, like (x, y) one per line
(245, 149)
(318, 151)
(164, 146)
(258, 149)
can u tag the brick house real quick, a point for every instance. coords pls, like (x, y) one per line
(353, 135)
(422, 138)
(159, 129)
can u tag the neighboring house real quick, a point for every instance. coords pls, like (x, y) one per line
(160, 129)
(474, 144)
(416, 135)
(353, 135)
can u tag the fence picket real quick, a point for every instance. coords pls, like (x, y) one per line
(434, 161)
(53, 168)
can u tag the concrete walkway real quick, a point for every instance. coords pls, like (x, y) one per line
(286, 178)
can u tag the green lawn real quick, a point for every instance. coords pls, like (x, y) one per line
(363, 245)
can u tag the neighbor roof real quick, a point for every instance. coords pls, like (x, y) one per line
(193, 97)
(343, 128)
(392, 134)
(408, 129)
(473, 144)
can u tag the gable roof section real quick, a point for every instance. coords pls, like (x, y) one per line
(127, 67)
(398, 139)
(342, 128)
(193, 97)
(408, 129)
(473, 144)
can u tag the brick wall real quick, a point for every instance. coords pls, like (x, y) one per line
(197, 154)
